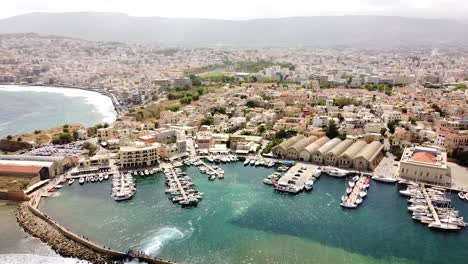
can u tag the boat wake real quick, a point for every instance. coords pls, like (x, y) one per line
(161, 238)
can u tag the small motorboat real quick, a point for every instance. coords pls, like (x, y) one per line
(58, 186)
(462, 196)
(100, 178)
(81, 181)
(359, 200)
(71, 181)
(349, 190)
(351, 184)
(212, 177)
(106, 177)
(363, 194)
(246, 162)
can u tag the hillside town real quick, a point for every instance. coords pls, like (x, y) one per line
(396, 115)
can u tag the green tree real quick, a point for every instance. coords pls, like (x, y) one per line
(19, 139)
(261, 129)
(208, 121)
(391, 126)
(37, 132)
(332, 130)
(383, 130)
(9, 137)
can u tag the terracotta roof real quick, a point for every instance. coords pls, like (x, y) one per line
(424, 157)
(19, 169)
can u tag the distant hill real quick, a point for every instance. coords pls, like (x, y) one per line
(326, 31)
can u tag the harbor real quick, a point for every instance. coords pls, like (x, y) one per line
(294, 180)
(218, 226)
(356, 191)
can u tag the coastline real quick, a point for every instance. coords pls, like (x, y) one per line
(117, 107)
(68, 244)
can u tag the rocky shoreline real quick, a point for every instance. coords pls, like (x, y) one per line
(61, 244)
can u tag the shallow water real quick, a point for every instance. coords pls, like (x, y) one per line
(241, 220)
(24, 109)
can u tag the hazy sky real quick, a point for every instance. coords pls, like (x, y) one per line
(245, 9)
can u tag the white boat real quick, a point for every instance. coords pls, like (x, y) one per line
(286, 188)
(100, 178)
(461, 195)
(384, 179)
(337, 173)
(81, 181)
(271, 164)
(106, 177)
(268, 181)
(246, 162)
(146, 172)
(71, 181)
(257, 163)
(309, 185)
(349, 190)
(58, 186)
(317, 173)
(358, 201)
(252, 162)
(363, 194)
(135, 173)
(351, 184)
(347, 205)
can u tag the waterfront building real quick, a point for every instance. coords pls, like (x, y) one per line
(55, 165)
(331, 157)
(96, 162)
(345, 160)
(318, 155)
(281, 149)
(423, 164)
(138, 155)
(369, 157)
(308, 151)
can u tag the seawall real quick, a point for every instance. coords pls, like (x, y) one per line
(68, 244)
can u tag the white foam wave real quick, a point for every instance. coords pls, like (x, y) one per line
(102, 103)
(36, 259)
(160, 238)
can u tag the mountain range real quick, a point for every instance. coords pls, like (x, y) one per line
(318, 31)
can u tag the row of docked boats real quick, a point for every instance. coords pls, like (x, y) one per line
(214, 172)
(387, 179)
(433, 207)
(143, 173)
(90, 179)
(123, 187)
(309, 184)
(356, 190)
(259, 162)
(180, 188)
(222, 158)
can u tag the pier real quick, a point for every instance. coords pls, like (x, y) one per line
(179, 185)
(430, 205)
(354, 195)
(298, 174)
(216, 172)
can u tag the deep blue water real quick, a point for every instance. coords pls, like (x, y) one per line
(241, 220)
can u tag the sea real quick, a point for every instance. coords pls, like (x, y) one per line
(27, 108)
(242, 220)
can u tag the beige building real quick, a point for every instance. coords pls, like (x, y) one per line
(318, 156)
(345, 160)
(138, 155)
(369, 157)
(423, 164)
(306, 154)
(331, 157)
(281, 150)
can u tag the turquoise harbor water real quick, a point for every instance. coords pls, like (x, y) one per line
(241, 220)
(24, 109)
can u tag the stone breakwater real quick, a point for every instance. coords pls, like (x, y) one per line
(60, 243)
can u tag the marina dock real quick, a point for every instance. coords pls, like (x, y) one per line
(431, 206)
(298, 174)
(216, 172)
(354, 195)
(179, 185)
